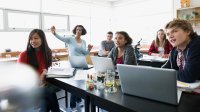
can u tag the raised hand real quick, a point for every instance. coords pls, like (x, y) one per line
(53, 30)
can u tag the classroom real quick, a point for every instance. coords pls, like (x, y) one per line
(99, 55)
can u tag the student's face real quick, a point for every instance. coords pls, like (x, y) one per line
(35, 41)
(177, 37)
(109, 37)
(79, 31)
(120, 40)
(161, 35)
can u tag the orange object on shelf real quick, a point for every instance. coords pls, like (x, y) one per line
(185, 3)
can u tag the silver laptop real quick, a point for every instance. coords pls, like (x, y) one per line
(148, 82)
(102, 64)
(79, 62)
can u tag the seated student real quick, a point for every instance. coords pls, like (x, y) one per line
(185, 56)
(106, 45)
(160, 46)
(123, 53)
(39, 56)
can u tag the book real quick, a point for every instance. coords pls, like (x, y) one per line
(189, 87)
(60, 72)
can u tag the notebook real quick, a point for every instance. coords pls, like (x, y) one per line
(79, 62)
(60, 72)
(102, 64)
(148, 82)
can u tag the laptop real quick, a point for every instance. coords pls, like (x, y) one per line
(148, 82)
(102, 64)
(79, 62)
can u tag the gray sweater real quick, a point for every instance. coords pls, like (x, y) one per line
(128, 55)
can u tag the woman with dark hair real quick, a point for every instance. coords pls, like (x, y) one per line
(76, 45)
(185, 56)
(39, 56)
(123, 53)
(160, 46)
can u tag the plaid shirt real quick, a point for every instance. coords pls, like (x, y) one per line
(180, 59)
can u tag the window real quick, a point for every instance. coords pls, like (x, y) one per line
(59, 21)
(99, 29)
(28, 5)
(25, 21)
(1, 19)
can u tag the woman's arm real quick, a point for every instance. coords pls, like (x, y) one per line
(22, 58)
(84, 50)
(152, 48)
(112, 55)
(65, 39)
(130, 58)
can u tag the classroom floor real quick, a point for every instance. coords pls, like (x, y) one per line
(60, 94)
(62, 103)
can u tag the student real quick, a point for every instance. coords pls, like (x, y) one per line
(106, 45)
(185, 56)
(160, 46)
(76, 47)
(39, 56)
(123, 53)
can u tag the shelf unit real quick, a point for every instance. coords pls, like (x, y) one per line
(191, 14)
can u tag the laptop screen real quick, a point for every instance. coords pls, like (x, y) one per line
(149, 82)
(78, 62)
(102, 64)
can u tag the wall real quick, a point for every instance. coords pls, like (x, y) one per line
(193, 3)
(96, 14)
(141, 18)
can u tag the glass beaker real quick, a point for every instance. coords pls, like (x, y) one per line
(110, 82)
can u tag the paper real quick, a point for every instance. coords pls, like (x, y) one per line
(153, 58)
(182, 84)
(81, 75)
(60, 71)
(188, 86)
(57, 72)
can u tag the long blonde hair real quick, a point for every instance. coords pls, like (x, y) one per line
(157, 41)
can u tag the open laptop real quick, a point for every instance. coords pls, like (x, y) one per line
(149, 82)
(102, 64)
(79, 62)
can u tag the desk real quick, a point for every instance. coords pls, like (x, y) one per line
(151, 61)
(77, 88)
(119, 102)
(14, 59)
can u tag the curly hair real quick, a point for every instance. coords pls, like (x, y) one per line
(83, 29)
(127, 37)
